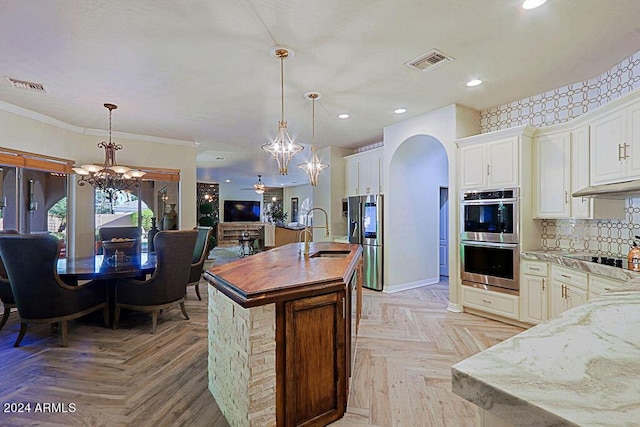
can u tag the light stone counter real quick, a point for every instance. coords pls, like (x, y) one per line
(582, 368)
(565, 259)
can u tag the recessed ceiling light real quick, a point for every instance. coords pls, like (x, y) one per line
(474, 82)
(227, 181)
(343, 116)
(532, 4)
(400, 110)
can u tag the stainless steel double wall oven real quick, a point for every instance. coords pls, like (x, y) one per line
(489, 252)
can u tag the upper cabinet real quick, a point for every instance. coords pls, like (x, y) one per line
(364, 173)
(489, 161)
(561, 167)
(615, 146)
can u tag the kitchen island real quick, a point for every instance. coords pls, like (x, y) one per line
(580, 369)
(281, 327)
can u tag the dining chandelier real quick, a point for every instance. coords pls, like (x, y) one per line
(313, 167)
(109, 177)
(282, 148)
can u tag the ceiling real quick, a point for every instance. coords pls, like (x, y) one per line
(201, 70)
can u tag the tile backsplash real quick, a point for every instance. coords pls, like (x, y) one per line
(605, 237)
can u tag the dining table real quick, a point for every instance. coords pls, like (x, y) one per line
(99, 267)
(105, 268)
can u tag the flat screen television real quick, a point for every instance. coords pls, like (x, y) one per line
(241, 210)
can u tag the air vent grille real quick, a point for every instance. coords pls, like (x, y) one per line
(428, 61)
(22, 84)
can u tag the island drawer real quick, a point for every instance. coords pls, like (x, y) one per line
(489, 301)
(569, 276)
(599, 285)
(535, 268)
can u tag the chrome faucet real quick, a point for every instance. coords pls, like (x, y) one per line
(307, 228)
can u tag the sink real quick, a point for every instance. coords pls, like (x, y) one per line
(330, 254)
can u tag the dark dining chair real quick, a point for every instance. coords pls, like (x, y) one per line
(199, 256)
(6, 295)
(40, 295)
(127, 232)
(167, 285)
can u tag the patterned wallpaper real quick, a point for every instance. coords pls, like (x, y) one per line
(606, 237)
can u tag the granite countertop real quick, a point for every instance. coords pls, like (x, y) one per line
(272, 275)
(565, 259)
(582, 368)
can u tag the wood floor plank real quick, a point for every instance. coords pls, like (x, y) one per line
(130, 377)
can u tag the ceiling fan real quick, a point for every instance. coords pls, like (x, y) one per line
(259, 187)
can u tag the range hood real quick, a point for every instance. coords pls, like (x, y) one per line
(617, 191)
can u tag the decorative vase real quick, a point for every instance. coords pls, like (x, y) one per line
(170, 220)
(152, 233)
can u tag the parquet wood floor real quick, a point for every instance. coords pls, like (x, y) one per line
(129, 377)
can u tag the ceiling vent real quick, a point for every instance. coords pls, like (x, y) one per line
(30, 86)
(428, 61)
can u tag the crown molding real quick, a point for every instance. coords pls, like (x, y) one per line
(14, 109)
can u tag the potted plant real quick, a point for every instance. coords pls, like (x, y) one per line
(278, 215)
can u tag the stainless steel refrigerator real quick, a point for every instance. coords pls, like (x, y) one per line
(365, 228)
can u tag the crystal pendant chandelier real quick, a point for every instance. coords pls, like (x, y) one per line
(109, 177)
(313, 167)
(259, 185)
(282, 148)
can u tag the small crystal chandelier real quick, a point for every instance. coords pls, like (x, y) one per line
(109, 177)
(282, 148)
(259, 185)
(313, 167)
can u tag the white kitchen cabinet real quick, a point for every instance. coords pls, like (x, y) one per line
(561, 167)
(534, 291)
(498, 303)
(494, 164)
(568, 289)
(364, 173)
(615, 146)
(553, 173)
(351, 176)
(599, 285)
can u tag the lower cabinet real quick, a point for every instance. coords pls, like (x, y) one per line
(534, 292)
(568, 289)
(315, 380)
(498, 303)
(599, 285)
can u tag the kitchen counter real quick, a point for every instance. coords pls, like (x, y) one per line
(281, 272)
(582, 368)
(565, 259)
(280, 332)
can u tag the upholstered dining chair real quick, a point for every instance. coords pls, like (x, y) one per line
(6, 295)
(167, 285)
(40, 295)
(127, 232)
(199, 256)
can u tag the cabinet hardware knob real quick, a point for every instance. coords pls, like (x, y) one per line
(626, 155)
(566, 197)
(566, 276)
(543, 284)
(486, 301)
(488, 170)
(607, 289)
(620, 155)
(535, 268)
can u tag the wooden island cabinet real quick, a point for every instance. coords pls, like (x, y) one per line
(281, 329)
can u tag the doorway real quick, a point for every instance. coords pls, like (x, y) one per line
(443, 249)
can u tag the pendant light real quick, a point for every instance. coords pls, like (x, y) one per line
(313, 167)
(282, 148)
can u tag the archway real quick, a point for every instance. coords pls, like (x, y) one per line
(417, 171)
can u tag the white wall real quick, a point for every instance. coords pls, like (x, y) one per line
(57, 139)
(304, 193)
(418, 169)
(443, 125)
